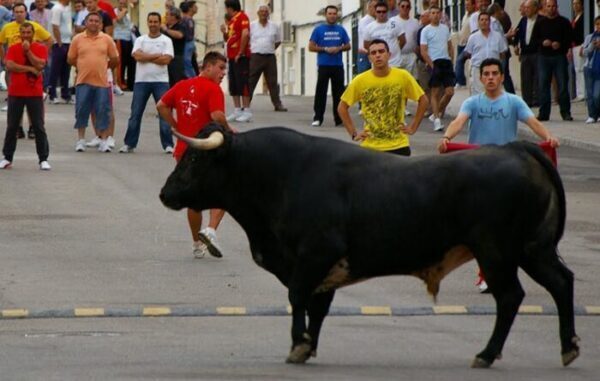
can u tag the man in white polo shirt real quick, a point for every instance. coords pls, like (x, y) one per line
(485, 43)
(153, 52)
(389, 31)
(265, 38)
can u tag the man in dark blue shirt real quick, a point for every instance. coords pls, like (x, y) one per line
(329, 41)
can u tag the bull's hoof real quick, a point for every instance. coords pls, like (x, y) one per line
(480, 363)
(570, 356)
(299, 354)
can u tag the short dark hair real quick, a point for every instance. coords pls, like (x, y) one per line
(382, 4)
(27, 25)
(94, 13)
(212, 58)
(184, 6)
(154, 14)
(596, 19)
(331, 7)
(233, 4)
(491, 62)
(20, 5)
(489, 15)
(380, 41)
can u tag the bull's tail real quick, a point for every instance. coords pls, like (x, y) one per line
(552, 172)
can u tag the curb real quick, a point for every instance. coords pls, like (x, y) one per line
(564, 140)
(163, 311)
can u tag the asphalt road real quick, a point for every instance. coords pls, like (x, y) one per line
(92, 233)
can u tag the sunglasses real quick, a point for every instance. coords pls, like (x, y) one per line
(380, 11)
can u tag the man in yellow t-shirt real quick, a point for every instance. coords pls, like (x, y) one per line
(382, 92)
(10, 34)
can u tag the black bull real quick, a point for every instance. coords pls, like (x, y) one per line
(321, 214)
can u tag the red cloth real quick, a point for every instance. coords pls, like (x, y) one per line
(545, 146)
(194, 100)
(26, 84)
(236, 25)
(106, 7)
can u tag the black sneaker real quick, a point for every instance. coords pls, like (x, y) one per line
(20, 132)
(30, 133)
(567, 117)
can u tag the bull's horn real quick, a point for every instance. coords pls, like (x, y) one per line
(213, 141)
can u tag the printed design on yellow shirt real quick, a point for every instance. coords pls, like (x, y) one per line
(382, 108)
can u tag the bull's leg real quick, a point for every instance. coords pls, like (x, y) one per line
(508, 293)
(555, 277)
(318, 308)
(306, 276)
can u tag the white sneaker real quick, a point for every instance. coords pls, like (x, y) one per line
(117, 90)
(210, 240)
(45, 166)
(482, 287)
(579, 99)
(80, 145)
(103, 146)
(56, 101)
(199, 249)
(245, 117)
(169, 150)
(94, 142)
(437, 125)
(234, 115)
(5, 164)
(4, 108)
(407, 113)
(432, 117)
(316, 123)
(111, 142)
(126, 149)
(590, 120)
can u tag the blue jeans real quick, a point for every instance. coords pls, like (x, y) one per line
(92, 98)
(592, 93)
(459, 67)
(362, 63)
(141, 93)
(188, 52)
(556, 66)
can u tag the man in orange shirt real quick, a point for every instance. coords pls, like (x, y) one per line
(198, 101)
(92, 52)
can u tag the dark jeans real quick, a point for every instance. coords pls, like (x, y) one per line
(529, 79)
(459, 67)
(176, 70)
(141, 93)
(362, 63)
(509, 86)
(35, 109)
(556, 66)
(592, 93)
(325, 74)
(60, 70)
(126, 68)
(264, 64)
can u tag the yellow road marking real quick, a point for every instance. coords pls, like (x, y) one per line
(156, 311)
(593, 310)
(376, 310)
(449, 309)
(231, 310)
(15, 313)
(530, 309)
(86, 312)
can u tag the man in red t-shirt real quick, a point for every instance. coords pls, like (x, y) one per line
(198, 101)
(25, 61)
(237, 33)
